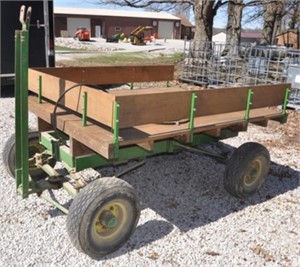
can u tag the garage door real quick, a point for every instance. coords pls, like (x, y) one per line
(165, 29)
(74, 23)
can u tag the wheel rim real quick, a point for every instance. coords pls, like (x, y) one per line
(111, 222)
(253, 172)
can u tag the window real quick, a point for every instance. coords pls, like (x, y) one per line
(117, 29)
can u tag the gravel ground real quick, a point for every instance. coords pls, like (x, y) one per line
(99, 45)
(187, 217)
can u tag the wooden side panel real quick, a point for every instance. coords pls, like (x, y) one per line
(100, 104)
(154, 108)
(268, 95)
(224, 100)
(113, 74)
(217, 101)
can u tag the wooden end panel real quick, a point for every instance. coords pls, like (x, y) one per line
(218, 101)
(268, 95)
(99, 106)
(92, 136)
(153, 108)
(113, 74)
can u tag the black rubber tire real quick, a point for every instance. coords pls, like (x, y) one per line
(251, 161)
(85, 212)
(8, 156)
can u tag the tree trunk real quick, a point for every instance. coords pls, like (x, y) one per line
(204, 16)
(273, 13)
(234, 26)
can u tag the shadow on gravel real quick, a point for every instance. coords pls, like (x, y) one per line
(144, 235)
(187, 189)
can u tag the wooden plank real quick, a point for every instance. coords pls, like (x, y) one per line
(268, 95)
(79, 149)
(263, 123)
(96, 138)
(113, 74)
(144, 108)
(100, 104)
(225, 100)
(44, 126)
(214, 132)
(147, 145)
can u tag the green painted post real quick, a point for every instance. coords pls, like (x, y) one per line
(285, 100)
(192, 116)
(24, 112)
(21, 103)
(168, 83)
(18, 170)
(131, 86)
(116, 129)
(40, 90)
(84, 109)
(248, 104)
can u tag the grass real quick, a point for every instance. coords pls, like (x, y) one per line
(122, 58)
(63, 48)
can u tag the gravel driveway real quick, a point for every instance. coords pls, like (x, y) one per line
(187, 218)
(99, 45)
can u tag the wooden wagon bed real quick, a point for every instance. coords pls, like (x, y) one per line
(145, 115)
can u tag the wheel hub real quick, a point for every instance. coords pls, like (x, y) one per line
(108, 220)
(253, 172)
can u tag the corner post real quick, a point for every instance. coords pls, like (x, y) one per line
(192, 116)
(116, 128)
(248, 105)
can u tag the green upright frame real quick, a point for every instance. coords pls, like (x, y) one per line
(21, 104)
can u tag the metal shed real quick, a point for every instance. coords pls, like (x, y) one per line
(105, 22)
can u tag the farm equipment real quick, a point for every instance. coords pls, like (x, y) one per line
(137, 35)
(86, 128)
(82, 34)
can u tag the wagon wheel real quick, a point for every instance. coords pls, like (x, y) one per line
(9, 156)
(246, 170)
(103, 216)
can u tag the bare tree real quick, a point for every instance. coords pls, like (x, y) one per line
(275, 14)
(204, 11)
(234, 24)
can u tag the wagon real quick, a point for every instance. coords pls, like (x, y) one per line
(84, 125)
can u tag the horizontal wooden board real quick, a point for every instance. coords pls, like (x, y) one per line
(268, 95)
(223, 100)
(100, 103)
(100, 140)
(158, 105)
(92, 136)
(113, 74)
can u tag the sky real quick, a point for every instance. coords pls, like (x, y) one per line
(219, 22)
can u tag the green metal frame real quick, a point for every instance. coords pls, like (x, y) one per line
(21, 104)
(285, 100)
(248, 104)
(134, 152)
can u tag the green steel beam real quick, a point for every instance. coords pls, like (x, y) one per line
(18, 171)
(192, 116)
(84, 109)
(124, 154)
(116, 128)
(285, 100)
(248, 104)
(40, 90)
(21, 103)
